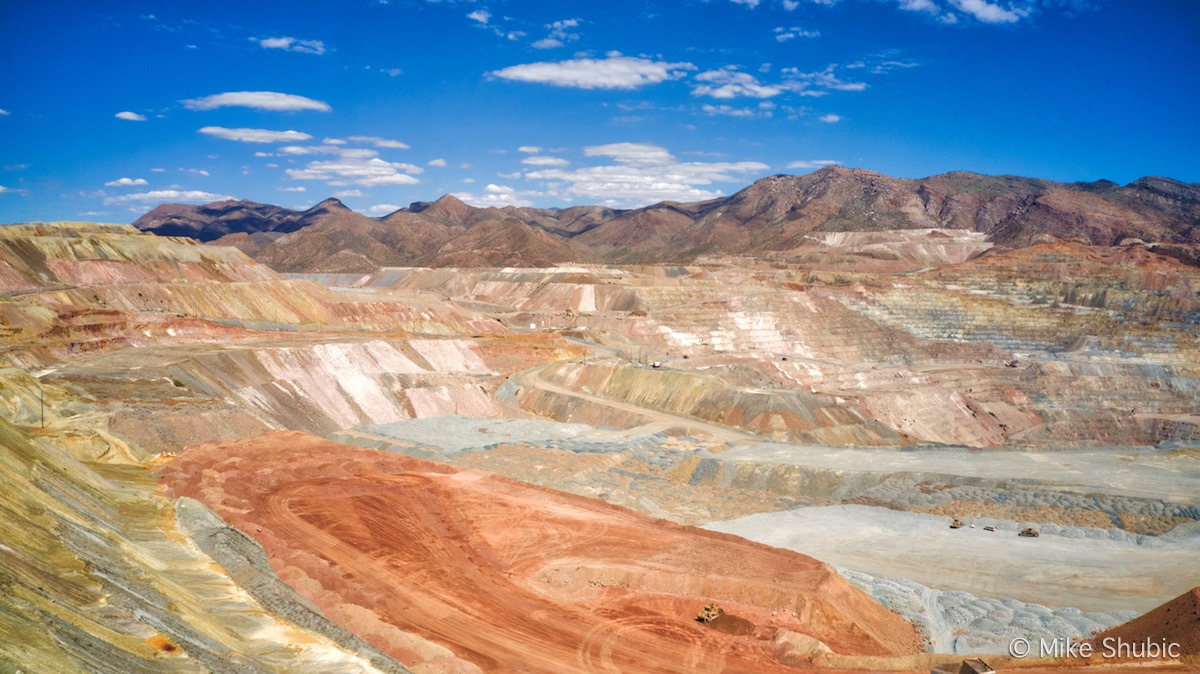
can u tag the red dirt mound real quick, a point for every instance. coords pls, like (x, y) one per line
(515, 577)
(1175, 622)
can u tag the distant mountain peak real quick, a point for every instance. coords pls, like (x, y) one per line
(330, 204)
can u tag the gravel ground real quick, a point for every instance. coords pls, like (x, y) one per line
(1092, 569)
(962, 623)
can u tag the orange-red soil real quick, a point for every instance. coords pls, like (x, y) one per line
(1175, 622)
(515, 577)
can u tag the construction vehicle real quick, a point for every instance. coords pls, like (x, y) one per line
(710, 613)
(956, 524)
(1029, 532)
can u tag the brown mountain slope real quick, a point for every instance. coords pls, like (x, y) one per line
(212, 221)
(777, 213)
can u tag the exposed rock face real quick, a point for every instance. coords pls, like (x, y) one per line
(778, 213)
(514, 577)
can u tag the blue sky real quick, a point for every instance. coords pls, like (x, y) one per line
(108, 109)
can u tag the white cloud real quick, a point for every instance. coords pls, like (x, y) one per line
(345, 194)
(333, 141)
(255, 135)
(6, 112)
(544, 161)
(749, 3)
(383, 209)
(830, 118)
(468, 180)
(790, 5)
(193, 171)
(825, 79)
(4, 189)
(258, 100)
(813, 164)
(920, 6)
(990, 13)
(530, 149)
(354, 171)
(644, 174)
(480, 15)
(338, 150)
(783, 34)
(635, 154)
(379, 142)
(128, 116)
(560, 34)
(157, 170)
(165, 196)
(731, 83)
(300, 188)
(764, 109)
(292, 44)
(437, 163)
(613, 72)
(391, 72)
(498, 189)
(126, 182)
(500, 199)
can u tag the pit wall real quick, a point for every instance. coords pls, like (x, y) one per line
(795, 416)
(95, 569)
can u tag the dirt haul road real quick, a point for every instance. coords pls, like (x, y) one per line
(514, 577)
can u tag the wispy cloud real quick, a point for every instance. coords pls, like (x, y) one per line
(168, 196)
(920, 6)
(813, 163)
(495, 195)
(783, 34)
(436, 163)
(561, 32)
(352, 171)
(379, 142)
(4, 112)
(480, 15)
(255, 135)
(614, 72)
(991, 13)
(762, 110)
(538, 160)
(643, 173)
(729, 82)
(129, 116)
(830, 118)
(126, 182)
(824, 79)
(292, 44)
(383, 209)
(530, 149)
(346, 194)
(258, 100)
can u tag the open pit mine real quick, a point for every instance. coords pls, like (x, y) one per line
(896, 426)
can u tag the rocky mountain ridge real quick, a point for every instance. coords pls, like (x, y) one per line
(774, 214)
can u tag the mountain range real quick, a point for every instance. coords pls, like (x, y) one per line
(776, 213)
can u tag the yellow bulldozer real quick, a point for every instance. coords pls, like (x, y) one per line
(710, 613)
